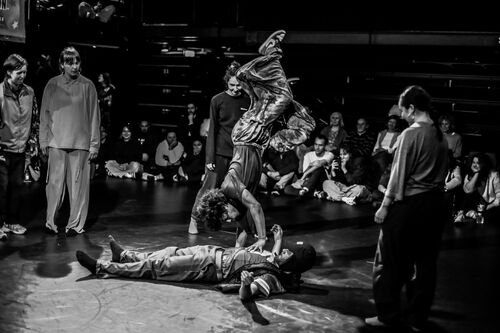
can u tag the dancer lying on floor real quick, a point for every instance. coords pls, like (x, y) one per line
(255, 273)
(264, 80)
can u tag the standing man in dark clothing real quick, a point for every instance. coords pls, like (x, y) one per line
(226, 108)
(412, 212)
(19, 121)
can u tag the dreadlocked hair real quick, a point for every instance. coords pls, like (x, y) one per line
(211, 207)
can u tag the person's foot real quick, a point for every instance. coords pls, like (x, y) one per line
(320, 194)
(193, 227)
(49, 229)
(275, 193)
(349, 201)
(303, 191)
(86, 261)
(14, 228)
(459, 218)
(3, 235)
(375, 322)
(472, 214)
(272, 41)
(116, 249)
(71, 233)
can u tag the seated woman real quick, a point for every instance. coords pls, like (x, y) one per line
(192, 166)
(335, 132)
(125, 156)
(384, 147)
(347, 180)
(482, 190)
(254, 273)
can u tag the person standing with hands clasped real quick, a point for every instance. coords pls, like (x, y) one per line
(69, 135)
(413, 214)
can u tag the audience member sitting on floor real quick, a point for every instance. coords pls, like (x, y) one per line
(315, 168)
(148, 142)
(379, 192)
(335, 132)
(278, 169)
(189, 124)
(252, 273)
(105, 150)
(447, 127)
(452, 187)
(125, 157)
(347, 181)
(192, 167)
(482, 190)
(168, 156)
(384, 147)
(362, 140)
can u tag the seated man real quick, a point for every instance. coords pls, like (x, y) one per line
(255, 272)
(278, 169)
(169, 155)
(315, 166)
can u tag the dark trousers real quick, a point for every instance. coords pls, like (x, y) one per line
(11, 179)
(407, 253)
(213, 179)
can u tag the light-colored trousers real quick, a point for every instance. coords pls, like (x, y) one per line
(280, 184)
(68, 168)
(195, 263)
(337, 190)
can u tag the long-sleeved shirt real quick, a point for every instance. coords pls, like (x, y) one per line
(420, 163)
(361, 144)
(225, 111)
(283, 163)
(69, 116)
(454, 143)
(19, 119)
(489, 190)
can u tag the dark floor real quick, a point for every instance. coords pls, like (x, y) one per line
(43, 288)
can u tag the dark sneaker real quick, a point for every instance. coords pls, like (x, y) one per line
(272, 41)
(14, 228)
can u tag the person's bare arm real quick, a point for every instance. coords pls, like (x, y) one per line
(257, 213)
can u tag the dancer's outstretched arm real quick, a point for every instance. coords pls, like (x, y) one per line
(258, 217)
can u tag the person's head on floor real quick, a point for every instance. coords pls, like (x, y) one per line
(296, 257)
(214, 208)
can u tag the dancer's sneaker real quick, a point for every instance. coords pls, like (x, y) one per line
(14, 228)
(272, 42)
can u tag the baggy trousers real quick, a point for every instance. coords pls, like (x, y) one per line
(406, 255)
(196, 263)
(68, 167)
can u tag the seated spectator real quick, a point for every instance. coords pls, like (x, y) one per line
(278, 169)
(362, 140)
(148, 142)
(192, 166)
(315, 168)
(168, 155)
(124, 159)
(447, 127)
(347, 183)
(379, 192)
(384, 147)
(105, 149)
(335, 132)
(452, 186)
(482, 190)
(189, 124)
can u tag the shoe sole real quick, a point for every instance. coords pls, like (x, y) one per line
(271, 36)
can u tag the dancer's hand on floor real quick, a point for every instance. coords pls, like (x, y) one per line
(257, 246)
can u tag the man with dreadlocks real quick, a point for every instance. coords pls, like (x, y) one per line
(264, 80)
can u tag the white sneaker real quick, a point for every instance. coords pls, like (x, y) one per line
(459, 218)
(14, 228)
(3, 235)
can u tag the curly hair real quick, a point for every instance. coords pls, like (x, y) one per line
(231, 71)
(211, 207)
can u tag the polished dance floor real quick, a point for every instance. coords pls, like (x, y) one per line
(44, 289)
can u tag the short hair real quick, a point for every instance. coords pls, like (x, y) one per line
(231, 71)
(417, 96)
(13, 62)
(210, 209)
(106, 78)
(321, 137)
(68, 56)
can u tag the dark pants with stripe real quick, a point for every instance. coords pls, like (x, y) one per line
(11, 180)
(407, 253)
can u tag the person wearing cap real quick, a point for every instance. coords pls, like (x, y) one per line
(255, 273)
(264, 80)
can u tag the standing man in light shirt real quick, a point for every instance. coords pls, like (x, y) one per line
(69, 135)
